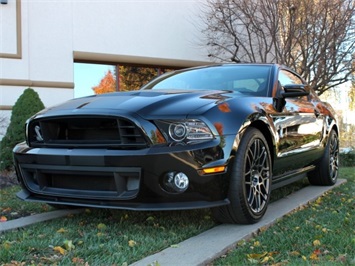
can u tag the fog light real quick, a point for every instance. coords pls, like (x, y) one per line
(176, 182)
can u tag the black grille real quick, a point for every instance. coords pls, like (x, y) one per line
(71, 132)
(82, 181)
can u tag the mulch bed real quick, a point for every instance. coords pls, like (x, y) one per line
(8, 178)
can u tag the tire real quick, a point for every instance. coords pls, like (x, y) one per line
(326, 172)
(250, 181)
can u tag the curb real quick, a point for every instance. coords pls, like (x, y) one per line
(36, 218)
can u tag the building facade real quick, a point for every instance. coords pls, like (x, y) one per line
(40, 40)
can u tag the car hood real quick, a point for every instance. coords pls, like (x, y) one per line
(146, 103)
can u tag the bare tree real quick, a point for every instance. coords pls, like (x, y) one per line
(314, 37)
(3, 124)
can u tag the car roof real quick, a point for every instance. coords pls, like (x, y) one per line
(231, 65)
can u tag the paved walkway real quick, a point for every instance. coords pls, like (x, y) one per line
(36, 218)
(211, 244)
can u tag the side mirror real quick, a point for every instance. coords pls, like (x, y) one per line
(288, 91)
(294, 90)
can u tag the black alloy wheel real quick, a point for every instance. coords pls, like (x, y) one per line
(250, 181)
(326, 172)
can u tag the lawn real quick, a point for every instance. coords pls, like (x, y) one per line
(12, 208)
(321, 233)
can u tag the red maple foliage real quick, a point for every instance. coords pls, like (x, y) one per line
(107, 84)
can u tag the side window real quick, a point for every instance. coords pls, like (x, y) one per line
(250, 84)
(286, 77)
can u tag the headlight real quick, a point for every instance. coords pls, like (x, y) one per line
(177, 131)
(191, 130)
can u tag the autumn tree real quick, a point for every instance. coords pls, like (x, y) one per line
(129, 78)
(106, 85)
(132, 78)
(3, 123)
(314, 37)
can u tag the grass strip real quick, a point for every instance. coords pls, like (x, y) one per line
(100, 237)
(321, 233)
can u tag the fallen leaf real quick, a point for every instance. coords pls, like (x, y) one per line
(174, 246)
(325, 252)
(256, 244)
(7, 244)
(257, 256)
(295, 253)
(341, 258)
(265, 259)
(101, 226)
(241, 243)
(16, 263)
(317, 252)
(272, 253)
(3, 219)
(316, 243)
(77, 260)
(314, 256)
(150, 218)
(68, 244)
(59, 250)
(263, 229)
(62, 230)
(132, 243)
(319, 200)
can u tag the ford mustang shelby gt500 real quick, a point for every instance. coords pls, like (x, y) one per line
(219, 137)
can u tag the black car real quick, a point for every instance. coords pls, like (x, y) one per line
(220, 137)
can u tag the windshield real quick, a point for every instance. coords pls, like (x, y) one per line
(249, 79)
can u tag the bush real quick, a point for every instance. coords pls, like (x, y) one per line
(347, 159)
(26, 105)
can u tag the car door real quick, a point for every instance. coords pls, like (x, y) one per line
(299, 127)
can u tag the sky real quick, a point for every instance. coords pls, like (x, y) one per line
(87, 76)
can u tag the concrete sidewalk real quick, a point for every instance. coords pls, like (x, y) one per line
(41, 217)
(211, 244)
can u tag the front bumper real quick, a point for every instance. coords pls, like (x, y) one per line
(119, 178)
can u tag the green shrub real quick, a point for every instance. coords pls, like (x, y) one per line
(347, 159)
(26, 105)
